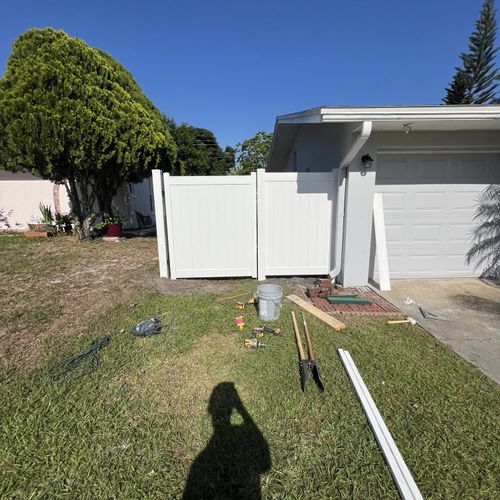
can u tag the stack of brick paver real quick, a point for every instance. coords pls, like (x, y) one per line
(324, 287)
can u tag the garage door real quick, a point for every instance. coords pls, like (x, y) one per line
(429, 205)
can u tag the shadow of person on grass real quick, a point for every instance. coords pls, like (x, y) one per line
(236, 455)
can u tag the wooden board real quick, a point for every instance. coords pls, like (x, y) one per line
(326, 318)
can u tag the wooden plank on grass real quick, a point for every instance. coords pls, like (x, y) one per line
(326, 318)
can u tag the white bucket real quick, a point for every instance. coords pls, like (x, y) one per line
(269, 302)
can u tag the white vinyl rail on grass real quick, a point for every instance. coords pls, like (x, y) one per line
(405, 483)
(257, 225)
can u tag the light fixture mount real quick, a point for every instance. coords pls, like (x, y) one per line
(367, 161)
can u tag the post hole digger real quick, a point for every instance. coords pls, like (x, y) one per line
(307, 365)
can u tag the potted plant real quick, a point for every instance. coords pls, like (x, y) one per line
(111, 222)
(45, 227)
(64, 223)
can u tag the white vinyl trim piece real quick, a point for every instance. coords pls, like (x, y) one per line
(261, 224)
(381, 242)
(405, 483)
(160, 223)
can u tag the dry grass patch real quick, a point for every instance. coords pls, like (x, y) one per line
(52, 286)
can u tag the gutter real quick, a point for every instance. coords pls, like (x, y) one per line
(366, 130)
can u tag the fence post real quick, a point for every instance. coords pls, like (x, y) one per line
(170, 225)
(253, 220)
(261, 224)
(161, 230)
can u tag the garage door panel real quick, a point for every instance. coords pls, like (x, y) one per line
(428, 233)
(465, 201)
(427, 201)
(394, 233)
(460, 233)
(429, 210)
(395, 202)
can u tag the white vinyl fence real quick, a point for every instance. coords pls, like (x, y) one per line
(257, 225)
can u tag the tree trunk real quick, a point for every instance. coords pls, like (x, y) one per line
(82, 199)
(105, 191)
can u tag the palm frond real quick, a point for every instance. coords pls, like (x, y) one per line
(485, 250)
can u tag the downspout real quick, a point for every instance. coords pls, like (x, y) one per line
(366, 130)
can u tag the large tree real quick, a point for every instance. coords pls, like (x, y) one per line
(198, 152)
(459, 91)
(476, 81)
(72, 114)
(253, 153)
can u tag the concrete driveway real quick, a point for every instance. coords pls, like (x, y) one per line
(471, 305)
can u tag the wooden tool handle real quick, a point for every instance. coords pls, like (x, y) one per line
(297, 337)
(308, 339)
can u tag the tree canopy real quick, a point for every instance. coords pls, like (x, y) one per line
(72, 114)
(253, 153)
(476, 81)
(198, 152)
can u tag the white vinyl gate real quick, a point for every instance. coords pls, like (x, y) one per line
(250, 225)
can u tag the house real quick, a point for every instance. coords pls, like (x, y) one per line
(426, 164)
(21, 194)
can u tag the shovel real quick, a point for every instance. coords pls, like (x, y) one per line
(307, 365)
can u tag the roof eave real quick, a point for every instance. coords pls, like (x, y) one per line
(392, 114)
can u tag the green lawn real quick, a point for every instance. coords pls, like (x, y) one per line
(137, 426)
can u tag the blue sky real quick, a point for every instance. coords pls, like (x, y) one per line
(233, 66)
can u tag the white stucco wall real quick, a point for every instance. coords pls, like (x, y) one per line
(316, 148)
(22, 193)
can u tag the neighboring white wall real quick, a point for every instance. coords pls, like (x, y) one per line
(360, 190)
(132, 197)
(123, 203)
(21, 195)
(141, 198)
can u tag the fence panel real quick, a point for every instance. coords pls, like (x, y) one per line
(211, 226)
(298, 218)
(279, 224)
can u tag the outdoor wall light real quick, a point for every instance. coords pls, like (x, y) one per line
(367, 161)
